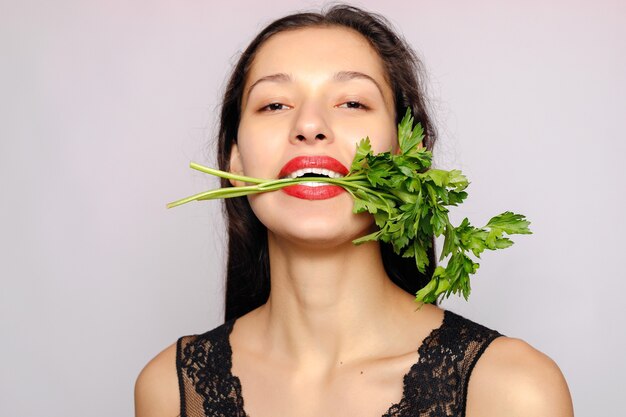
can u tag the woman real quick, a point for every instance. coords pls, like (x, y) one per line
(339, 333)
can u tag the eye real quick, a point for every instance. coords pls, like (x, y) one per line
(354, 105)
(274, 107)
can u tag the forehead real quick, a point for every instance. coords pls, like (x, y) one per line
(316, 50)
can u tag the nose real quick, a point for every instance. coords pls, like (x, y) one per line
(311, 125)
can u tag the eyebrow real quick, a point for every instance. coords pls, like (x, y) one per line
(341, 76)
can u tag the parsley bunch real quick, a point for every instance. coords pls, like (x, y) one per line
(409, 201)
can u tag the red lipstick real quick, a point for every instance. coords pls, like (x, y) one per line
(319, 164)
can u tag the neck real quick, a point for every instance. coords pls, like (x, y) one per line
(329, 304)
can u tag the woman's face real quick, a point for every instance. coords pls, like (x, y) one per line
(310, 96)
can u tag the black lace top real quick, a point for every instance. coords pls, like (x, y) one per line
(435, 386)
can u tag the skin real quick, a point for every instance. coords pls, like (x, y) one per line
(336, 335)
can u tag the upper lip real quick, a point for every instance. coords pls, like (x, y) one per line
(319, 164)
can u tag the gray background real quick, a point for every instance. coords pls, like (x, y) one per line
(104, 104)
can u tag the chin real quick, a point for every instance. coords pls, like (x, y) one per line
(324, 223)
(318, 235)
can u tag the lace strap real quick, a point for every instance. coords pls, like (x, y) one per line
(206, 385)
(439, 381)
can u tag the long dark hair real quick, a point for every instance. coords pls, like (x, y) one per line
(248, 272)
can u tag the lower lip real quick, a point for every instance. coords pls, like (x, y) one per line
(321, 192)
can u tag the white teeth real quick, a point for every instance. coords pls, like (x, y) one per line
(321, 171)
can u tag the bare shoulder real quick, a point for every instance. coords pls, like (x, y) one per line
(514, 379)
(156, 388)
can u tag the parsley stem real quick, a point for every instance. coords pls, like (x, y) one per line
(224, 174)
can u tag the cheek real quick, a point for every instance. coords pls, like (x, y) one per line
(258, 156)
(388, 142)
(381, 131)
(382, 139)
